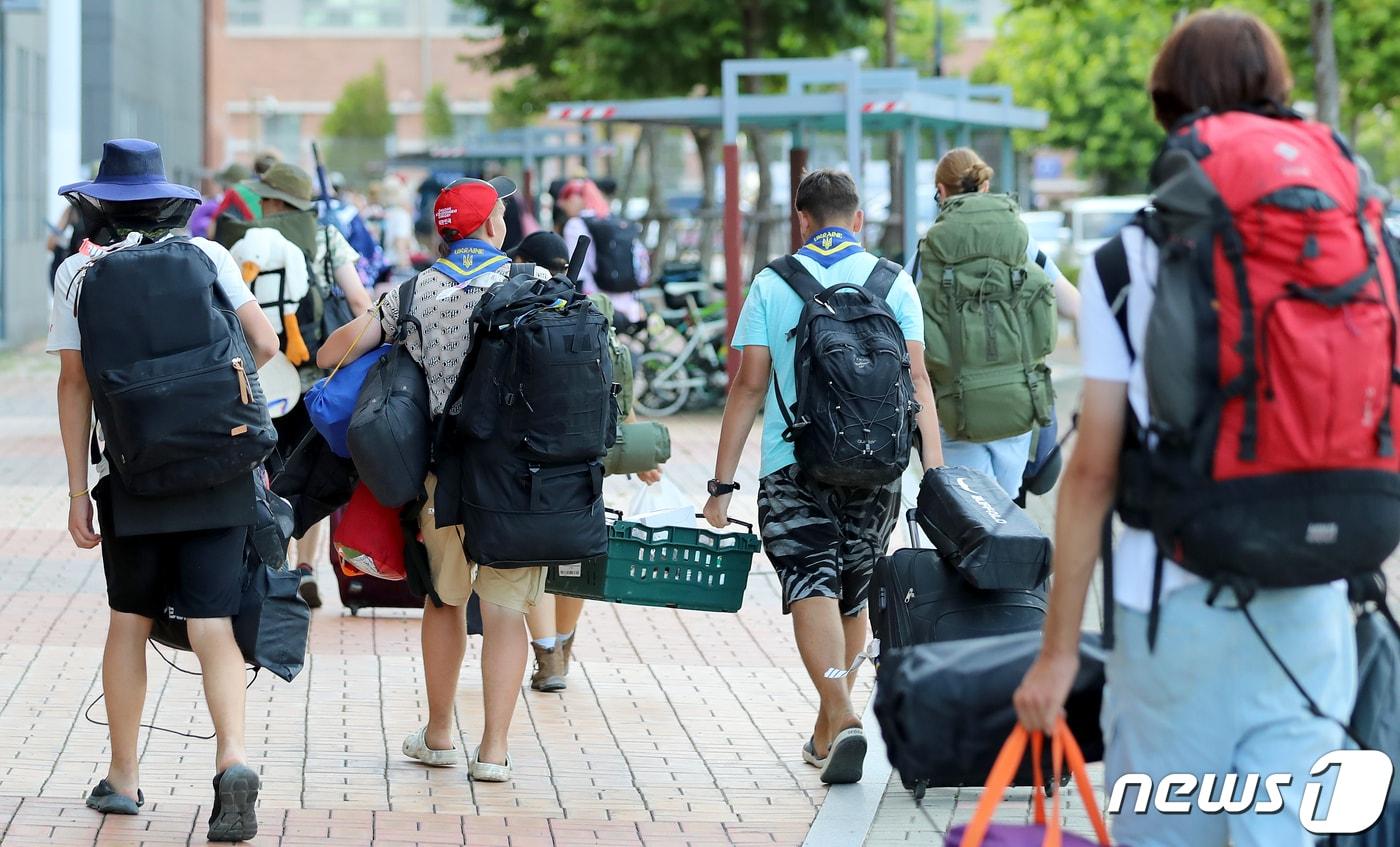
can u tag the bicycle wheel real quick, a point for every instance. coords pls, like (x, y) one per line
(657, 397)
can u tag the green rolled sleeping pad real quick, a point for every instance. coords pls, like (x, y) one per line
(640, 447)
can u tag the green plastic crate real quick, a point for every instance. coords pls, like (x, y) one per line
(675, 567)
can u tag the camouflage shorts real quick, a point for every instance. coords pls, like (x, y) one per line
(823, 541)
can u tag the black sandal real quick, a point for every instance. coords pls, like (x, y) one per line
(106, 799)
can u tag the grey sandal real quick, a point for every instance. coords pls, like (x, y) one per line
(234, 817)
(845, 761)
(809, 753)
(105, 799)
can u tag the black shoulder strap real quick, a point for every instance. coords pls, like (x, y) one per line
(882, 278)
(406, 290)
(798, 278)
(1111, 261)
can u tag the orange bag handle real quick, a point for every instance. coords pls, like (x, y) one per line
(1063, 748)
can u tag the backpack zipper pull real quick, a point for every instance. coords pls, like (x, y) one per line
(245, 393)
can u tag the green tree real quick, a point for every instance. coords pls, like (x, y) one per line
(1085, 64)
(358, 125)
(437, 114)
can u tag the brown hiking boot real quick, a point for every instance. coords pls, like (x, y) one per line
(548, 674)
(565, 646)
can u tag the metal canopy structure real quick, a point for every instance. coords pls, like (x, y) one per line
(527, 145)
(827, 95)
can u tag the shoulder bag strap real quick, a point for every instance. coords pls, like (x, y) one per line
(798, 278)
(1111, 261)
(882, 278)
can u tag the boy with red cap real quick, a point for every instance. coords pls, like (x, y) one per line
(470, 217)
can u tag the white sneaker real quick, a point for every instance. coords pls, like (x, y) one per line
(487, 771)
(416, 746)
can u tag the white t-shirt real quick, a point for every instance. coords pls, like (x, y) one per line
(1106, 358)
(63, 324)
(398, 225)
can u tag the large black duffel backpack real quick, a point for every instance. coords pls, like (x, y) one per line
(173, 381)
(945, 709)
(538, 413)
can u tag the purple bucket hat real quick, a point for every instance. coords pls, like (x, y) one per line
(131, 169)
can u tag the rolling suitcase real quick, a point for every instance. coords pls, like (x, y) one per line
(916, 597)
(359, 591)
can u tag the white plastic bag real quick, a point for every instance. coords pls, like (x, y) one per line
(662, 504)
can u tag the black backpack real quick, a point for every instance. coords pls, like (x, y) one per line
(853, 420)
(173, 381)
(613, 241)
(538, 412)
(539, 378)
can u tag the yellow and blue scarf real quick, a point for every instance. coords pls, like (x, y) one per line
(831, 245)
(469, 258)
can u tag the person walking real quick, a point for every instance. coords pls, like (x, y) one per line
(285, 195)
(617, 263)
(989, 296)
(1192, 686)
(469, 215)
(553, 622)
(822, 539)
(184, 552)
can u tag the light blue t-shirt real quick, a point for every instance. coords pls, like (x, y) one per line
(772, 309)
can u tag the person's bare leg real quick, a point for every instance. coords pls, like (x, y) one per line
(857, 630)
(821, 641)
(540, 618)
(503, 656)
(310, 548)
(567, 611)
(124, 692)
(225, 680)
(444, 636)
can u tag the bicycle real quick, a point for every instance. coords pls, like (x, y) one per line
(671, 380)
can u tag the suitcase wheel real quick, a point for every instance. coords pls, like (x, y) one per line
(354, 611)
(920, 788)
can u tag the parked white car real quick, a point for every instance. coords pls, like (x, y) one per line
(1094, 220)
(1048, 230)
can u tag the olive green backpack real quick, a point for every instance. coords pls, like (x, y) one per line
(989, 320)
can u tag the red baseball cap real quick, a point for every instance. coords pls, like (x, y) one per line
(464, 205)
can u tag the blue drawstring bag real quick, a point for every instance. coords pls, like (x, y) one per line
(331, 401)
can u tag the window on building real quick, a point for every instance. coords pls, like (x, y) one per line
(468, 126)
(282, 133)
(354, 14)
(245, 12)
(464, 13)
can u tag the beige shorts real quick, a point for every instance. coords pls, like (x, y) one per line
(455, 576)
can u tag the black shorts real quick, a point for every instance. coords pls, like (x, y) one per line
(195, 574)
(823, 541)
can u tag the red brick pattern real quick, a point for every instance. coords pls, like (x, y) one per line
(678, 728)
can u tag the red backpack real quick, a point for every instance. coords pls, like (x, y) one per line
(1271, 349)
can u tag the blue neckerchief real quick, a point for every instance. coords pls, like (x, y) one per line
(831, 245)
(469, 258)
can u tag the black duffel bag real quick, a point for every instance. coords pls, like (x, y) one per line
(945, 708)
(315, 481)
(981, 532)
(390, 434)
(273, 621)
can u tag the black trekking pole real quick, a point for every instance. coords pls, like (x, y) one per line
(576, 260)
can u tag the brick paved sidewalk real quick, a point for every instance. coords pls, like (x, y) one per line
(677, 728)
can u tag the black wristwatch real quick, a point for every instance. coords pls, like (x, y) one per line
(719, 489)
